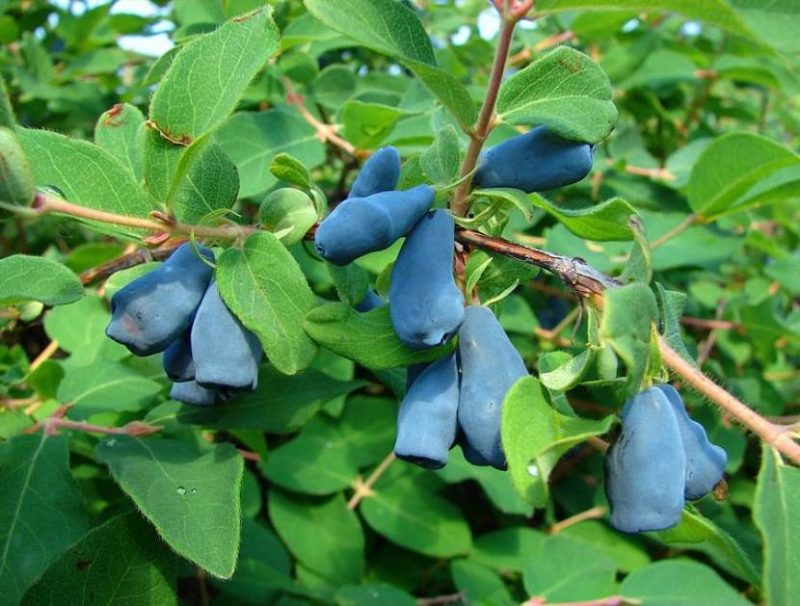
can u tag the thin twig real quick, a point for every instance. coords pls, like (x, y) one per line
(45, 354)
(710, 324)
(707, 346)
(441, 600)
(485, 117)
(675, 231)
(327, 133)
(590, 514)
(362, 488)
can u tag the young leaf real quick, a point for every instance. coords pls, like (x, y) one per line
(366, 125)
(266, 289)
(776, 505)
(368, 338)
(124, 549)
(190, 495)
(288, 168)
(628, 316)
(535, 436)
(739, 171)
(26, 278)
(88, 175)
(288, 213)
(41, 513)
(208, 77)
(120, 132)
(441, 161)
(322, 534)
(17, 185)
(565, 91)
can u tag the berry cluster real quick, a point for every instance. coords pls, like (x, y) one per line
(177, 309)
(458, 398)
(661, 459)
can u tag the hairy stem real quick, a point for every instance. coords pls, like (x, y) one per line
(485, 117)
(363, 489)
(45, 204)
(774, 435)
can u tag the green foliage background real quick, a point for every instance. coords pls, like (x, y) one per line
(704, 102)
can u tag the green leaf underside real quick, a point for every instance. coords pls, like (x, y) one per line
(266, 289)
(27, 278)
(565, 91)
(190, 495)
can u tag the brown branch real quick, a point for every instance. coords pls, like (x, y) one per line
(710, 324)
(590, 514)
(441, 600)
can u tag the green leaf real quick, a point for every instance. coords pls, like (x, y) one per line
(408, 514)
(568, 571)
(389, 27)
(288, 213)
(351, 281)
(671, 304)
(7, 118)
(322, 534)
(665, 584)
(535, 436)
(17, 185)
(280, 404)
(448, 90)
(775, 512)
(628, 316)
(88, 176)
(701, 534)
(266, 289)
(190, 495)
(495, 483)
(604, 222)
(204, 183)
(441, 161)
(120, 132)
(480, 585)
(772, 21)
(508, 549)
(569, 373)
(254, 140)
(41, 513)
(714, 12)
(366, 125)
(210, 74)
(118, 562)
(367, 595)
(565, 91)
(386, 26)
(366, 338)
(26, 278)
(288, 168)
(731, 173)
(105, 385)
(627, 553)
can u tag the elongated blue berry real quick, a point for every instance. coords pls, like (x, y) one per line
(379, 173)
(362, 225)
(225, 353)
(490, 365)
(425, 304)
(426, 421)
(151, 312)
(646, 467)
(177, 359)
(190, 392)
(705, 462)
(536, 161)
